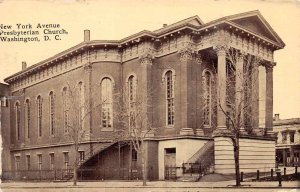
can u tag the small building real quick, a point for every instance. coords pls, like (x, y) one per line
(288, 141)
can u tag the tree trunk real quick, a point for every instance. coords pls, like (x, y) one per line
(75, 164)
(75, 175)
(144, 166)
(236, 149)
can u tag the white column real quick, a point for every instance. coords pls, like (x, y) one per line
(262, 96)
(239, 79)
(221, 52)
(297, 136)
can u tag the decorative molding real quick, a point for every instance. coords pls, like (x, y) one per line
(88, 67)
(220, 49)
(186, 54)
(199, 59)
(146, 58)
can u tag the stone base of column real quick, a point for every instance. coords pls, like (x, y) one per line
(243, 130)
(221, 130)
(186, 131)
(258, 131)
(22, 145)
(199, 132)
(270, 132)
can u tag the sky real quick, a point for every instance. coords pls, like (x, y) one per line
(116, 19)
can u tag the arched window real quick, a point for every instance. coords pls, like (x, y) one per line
(65, 110)
(169, 97)
(52, 112)
(18, 119)
(132, 100)
(39, 115)
(207, 89)
(106, 97)
(27, 118)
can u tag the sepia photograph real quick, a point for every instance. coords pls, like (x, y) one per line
(194, 95)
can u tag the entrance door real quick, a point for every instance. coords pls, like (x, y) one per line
(170, 163)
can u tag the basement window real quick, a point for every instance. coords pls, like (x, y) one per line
(170, 150)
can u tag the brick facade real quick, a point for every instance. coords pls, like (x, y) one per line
(187, 48)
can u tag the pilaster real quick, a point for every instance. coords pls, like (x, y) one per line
(186, 56)
(145, 83)
(87, 127)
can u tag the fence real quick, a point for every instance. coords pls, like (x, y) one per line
(67, 174)
(192, 168)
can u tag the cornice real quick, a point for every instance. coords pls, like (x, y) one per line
(145, 35)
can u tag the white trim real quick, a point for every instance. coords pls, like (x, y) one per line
(129, 75)
(166, 97)
(164, 74)
(210, 98)
(107, 76)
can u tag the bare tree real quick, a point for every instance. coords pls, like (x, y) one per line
(77, 109)
(241, 98)
(133, 116)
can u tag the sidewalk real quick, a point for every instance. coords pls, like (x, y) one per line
(154, 184)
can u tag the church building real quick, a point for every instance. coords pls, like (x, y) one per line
(195, 76)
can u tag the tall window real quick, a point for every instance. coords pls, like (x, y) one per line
(39, 115)
(170, 97)
(81, 101)
(27, 118)
(132, 100)
(51, 155)
(66, 159)
(18, 120)
(28, 162)
(81, 156)
(52, 113)
(17, 162)
(106, 95)
(207, 88)
(65, 110)
(292, 137)
(40, 161)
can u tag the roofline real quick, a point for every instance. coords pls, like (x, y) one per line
(252, 13)
(291, 121)
(180, 25)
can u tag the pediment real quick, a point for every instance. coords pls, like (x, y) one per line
(254, 22)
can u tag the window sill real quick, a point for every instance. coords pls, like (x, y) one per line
(169, 126)
(107, 129)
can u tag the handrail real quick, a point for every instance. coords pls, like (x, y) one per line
(201, 152)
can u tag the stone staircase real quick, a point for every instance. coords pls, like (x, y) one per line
(90, 153)
(67, 174)
(200, 164)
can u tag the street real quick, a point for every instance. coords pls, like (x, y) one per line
(143, 189)
(113, 186)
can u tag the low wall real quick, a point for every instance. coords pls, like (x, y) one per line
(255, 154)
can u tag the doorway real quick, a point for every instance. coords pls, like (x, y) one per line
(170, 163)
